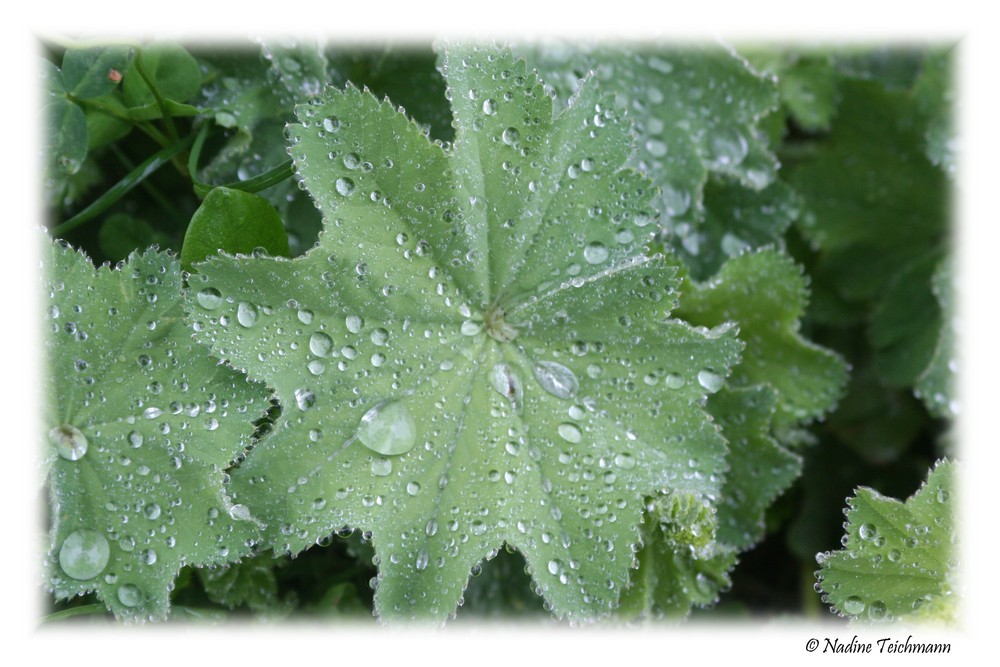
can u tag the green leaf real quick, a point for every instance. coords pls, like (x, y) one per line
(140, 423)
(464, 359)
(85, 72)
(736, 219)
(173, 71)
(250, 583)
(906, 323)
(235, 222)
(153, 111)
(695, 112)
(679, 566)
(760, 469)
(65, 136)
(122, 233)
(873, 201)
(899, 559)
(936, 385)
(935, 96)
(765, 292)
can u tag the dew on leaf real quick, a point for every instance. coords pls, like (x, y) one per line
(129, 595)
(508, 384)
(209, 298)
(344, 186)
(354, 323)
(320, 344)
(710, 380)
(69, 441)
(556, 379)
(510, 136)
(595, 253)
(388, 428)
(569, 432)
(381, 467)
(305, 399)
(84, 554)
(727, 148)
(246, 314)
(854, 605)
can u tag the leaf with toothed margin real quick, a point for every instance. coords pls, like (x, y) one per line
(477, 351)
(765, 293)
(696, 111)
(900, 559)
(141, 424)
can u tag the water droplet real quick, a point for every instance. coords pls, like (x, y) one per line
(381, 467)
(209, 298)
(246, 314)
(413, 488)
(388, 429)
(69, 441)
(135, 439)
(344, 186)
(625, 460)
(510, 136)
(556, 379)
(331, 124)
(380, 336)
(152, 511)
(569, 432)
(305, 399)
(942, 495)
(471, 328)
(867, 531)
(854, 605)
(423, 558)
(595, 253)
(320, 344)
(84, 554)
(877, 610)
(508, 384)
(129, 595)
(489, 106)
(354, 323)
(710, 380)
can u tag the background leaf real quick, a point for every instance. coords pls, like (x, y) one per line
(140, 425)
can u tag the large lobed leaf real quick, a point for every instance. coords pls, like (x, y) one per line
(141, 424)
(477, 351)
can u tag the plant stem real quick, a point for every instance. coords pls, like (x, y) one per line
(160, 102)
(122, 187)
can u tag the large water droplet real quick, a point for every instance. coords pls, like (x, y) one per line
(569, 432)
(129, 595)
(510, 136)
(388, 428)
(305, 399)
(320, 344)
(354, 323)
(209, 298)
(854, 605)
(246, 314)
(710, 380)
(595, 253)
(70, 443)
(84, 554)
(344, 186)
(556, 379)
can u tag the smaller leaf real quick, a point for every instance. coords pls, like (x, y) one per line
(85, 72)
(898, 557)
(122, 233)
(65, 136)
(233, 221)
(173, 71)
(936, 385)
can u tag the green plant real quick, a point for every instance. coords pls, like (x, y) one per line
(544, 342)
